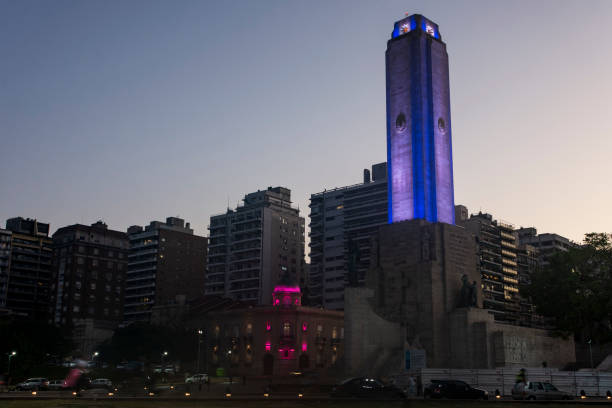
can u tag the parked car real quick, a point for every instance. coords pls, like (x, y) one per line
(33, 384)
(197, 378)
(454, 389)
(101, 383)
(168, 369)
(536, 390)
(56, 385)
(366, 387)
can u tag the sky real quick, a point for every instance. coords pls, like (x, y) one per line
(133, 111)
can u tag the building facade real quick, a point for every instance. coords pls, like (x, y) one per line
(547, 244)
(26, 252)
(342, 223)
(419, 153)
(165, 260)
(89, 272)
(274, 340)
(252, 246)
(498, 255)
(5, 258)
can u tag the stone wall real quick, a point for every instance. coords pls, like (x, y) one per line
(372, 344)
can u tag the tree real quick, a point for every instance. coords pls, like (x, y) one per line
(36, 343)
(575, 290)
(145, 342)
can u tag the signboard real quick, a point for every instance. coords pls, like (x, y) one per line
(415, 359)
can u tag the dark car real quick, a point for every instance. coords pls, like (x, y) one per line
(366, 387)
(454, 389)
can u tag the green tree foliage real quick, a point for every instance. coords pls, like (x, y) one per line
(145, 342)
(575, 290)
(35, 342)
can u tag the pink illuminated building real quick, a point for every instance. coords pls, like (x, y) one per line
(274, 340)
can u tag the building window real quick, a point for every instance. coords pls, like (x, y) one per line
(94, 262)
(81, 249)
(75, 309)
(94, 275)
(249, 329)
(96, 251)
(109, 264)
(304, 327)
(286, 329)
(268, 326)
(92, 286)
(80, 260)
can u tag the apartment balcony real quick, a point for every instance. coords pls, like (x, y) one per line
(253, 238)
(133, 253)
(141, 278)
(152, 268)
(251, 258)
(245, 230)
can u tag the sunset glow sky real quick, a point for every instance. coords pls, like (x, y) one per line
(132, 111)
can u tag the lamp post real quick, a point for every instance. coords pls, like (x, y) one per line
(590, 352)
(164, 354)
(8, 370)
(93, 358)
(200, 333)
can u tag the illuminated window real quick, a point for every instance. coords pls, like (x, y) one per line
(286, 329)
(249, 328)
(268, 326)
(304, 326)
(334, 333)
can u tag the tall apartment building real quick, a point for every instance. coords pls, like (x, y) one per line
(25, 279)
(528, 263)
(547, 244)
(90, 264)
(165, 260)
(498, 253)
(254, 245)
(342, 223)
(5, 257)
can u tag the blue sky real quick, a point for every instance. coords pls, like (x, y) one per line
(130, 111)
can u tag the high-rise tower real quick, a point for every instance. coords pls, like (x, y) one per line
(418, 123)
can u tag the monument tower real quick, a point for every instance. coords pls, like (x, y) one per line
(418, 123)
(422, 304)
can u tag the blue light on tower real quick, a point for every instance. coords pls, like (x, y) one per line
(419, 153)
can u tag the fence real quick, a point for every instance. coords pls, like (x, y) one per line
(593, 383)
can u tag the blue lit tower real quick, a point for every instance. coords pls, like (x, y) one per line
(418, 123)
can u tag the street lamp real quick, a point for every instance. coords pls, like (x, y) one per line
(164, 354)
(200, 333)
(8, 370)
(93, 358)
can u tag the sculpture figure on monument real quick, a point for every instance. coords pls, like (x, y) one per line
(468, 296)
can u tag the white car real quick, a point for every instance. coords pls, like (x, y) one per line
(33, 384)
(101, 383)
(197, 378)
